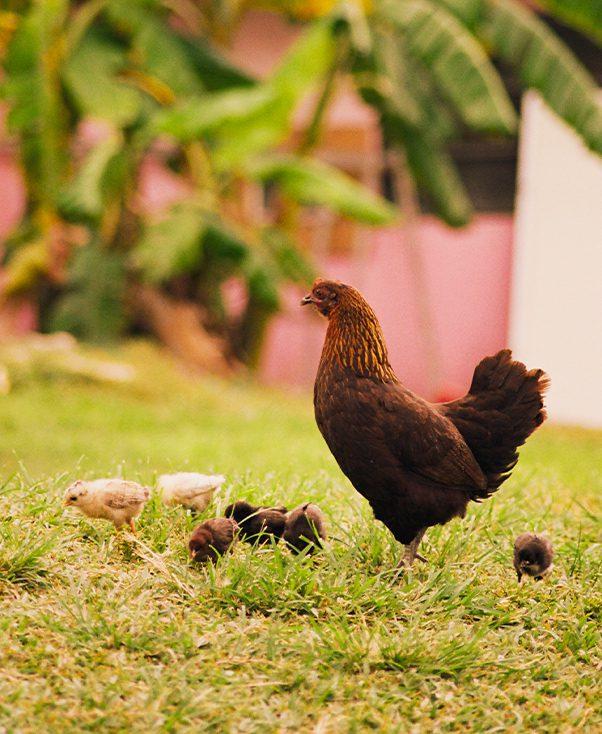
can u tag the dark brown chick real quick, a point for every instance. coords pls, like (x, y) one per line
(417, 463)
(258, 525)
(305, 528)
(212, 538)
(533, 556)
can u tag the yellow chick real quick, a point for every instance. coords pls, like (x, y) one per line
(189, 489)
(110, 499)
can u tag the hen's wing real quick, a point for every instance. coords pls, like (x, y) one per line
(427, 443)
(126, 494)
(502, 408)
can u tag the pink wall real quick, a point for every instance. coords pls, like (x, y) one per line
(467, 277)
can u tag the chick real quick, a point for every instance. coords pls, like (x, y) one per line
(258, 524)
(212, 539)
(305, 528)
(189, 489)
(110, 499)
(532, 555)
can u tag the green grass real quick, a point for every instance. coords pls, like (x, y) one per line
(100, 632)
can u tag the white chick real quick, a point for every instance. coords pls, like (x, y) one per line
(189, 489)
(110, 499)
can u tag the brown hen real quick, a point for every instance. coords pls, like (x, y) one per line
(417, 463)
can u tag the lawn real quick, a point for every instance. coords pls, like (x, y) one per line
(101, 632)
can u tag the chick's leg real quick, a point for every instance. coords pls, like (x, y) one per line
(132, 526)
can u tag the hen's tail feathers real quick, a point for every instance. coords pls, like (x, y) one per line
(501, 410)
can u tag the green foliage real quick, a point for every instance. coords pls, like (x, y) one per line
(457, 62)
(196, 116)
(91, 306)
(266, 124)
(86, 195)
(150, 69)
(171, 246)
(545, 64)
(90, 75)
(131, 65)
(586, 15)
(313, 182)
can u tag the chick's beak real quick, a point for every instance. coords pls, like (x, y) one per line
(306, 300)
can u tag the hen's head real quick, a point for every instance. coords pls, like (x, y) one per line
(331, 296)
(354, 339)
(75, 493)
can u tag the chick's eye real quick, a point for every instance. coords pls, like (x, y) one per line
(73, 498)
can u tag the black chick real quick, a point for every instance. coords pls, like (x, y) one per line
(305, 528)
(258, 524)
(533, 556)
(213, 538)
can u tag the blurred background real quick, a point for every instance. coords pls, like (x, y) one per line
(181, 170)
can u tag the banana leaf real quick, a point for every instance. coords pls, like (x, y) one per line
(312, 182)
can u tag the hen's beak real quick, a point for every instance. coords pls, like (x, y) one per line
(307, 299)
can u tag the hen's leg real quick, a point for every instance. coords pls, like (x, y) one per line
(411, 550)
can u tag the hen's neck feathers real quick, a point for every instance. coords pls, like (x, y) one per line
(355, 341)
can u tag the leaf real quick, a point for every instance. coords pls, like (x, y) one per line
(171, 246)
(303, 66)
(469, 12)
(354, 17)
(458, 64)
(195, 117)
(92, 306)
(544, 63)
(584, 15)
(24, 269)
(434, 172)
(383, 79)
(222, 243)
(216, 72)
(33, 91)
(312, 182)
(238, 142)
(401, 86)
(159, 51)
(85, 196)
(290, 262)
(307, 61)
(90, 76)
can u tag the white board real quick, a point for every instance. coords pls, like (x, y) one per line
(556, 304)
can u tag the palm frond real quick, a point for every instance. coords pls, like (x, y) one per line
(544, 63)
(458, 63)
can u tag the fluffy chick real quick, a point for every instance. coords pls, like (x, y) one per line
(533, 556)
(305, 528)
(258, 524)
(212, 539)
(189, 489)
(110, 499)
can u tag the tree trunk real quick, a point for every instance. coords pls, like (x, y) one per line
(179, 325)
